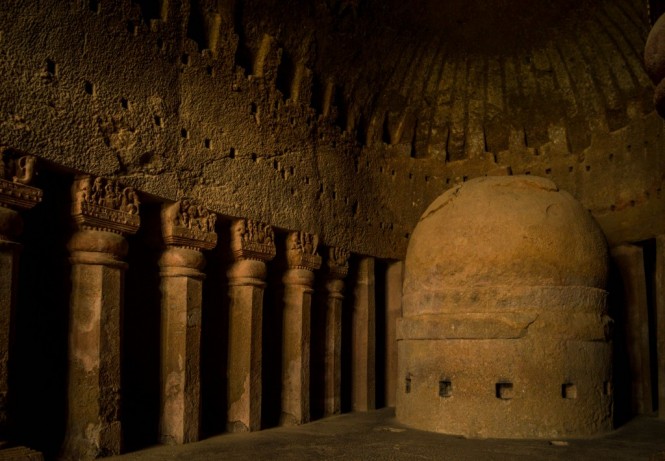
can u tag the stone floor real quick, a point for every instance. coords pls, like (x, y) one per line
(377, 436)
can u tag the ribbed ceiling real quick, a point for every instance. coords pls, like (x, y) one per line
(453, 79)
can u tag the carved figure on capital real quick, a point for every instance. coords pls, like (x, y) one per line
(252, 240)
(301, 251)
(104, 204)
(188, 223)
(16, 172)
(106, 193)
(338, 262)
(19, 169)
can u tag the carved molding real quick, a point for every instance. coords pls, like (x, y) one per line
(301, 251)
(252, 240)
(15, 175)
(188, 224)
(338, 262)
(103, 204)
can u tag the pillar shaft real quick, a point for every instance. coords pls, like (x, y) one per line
(393, 312)
(103, 212)
(630, 261)
(245, 345)
(338, 267)
(333, 353)
(253, 244)
(660, 321)
(363, 365)
(181, 339)
(93, 428)
(298, 281)
(187, 228)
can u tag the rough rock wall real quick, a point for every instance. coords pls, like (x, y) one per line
(341, 117)
(100, 87)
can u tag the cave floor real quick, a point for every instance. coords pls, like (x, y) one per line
(377, 436)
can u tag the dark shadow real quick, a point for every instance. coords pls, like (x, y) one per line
(214, 335)
(285, 75)
(38, 351)
(150, 9)
(621, 382)
(243, 57)
(347, 338)
(196, 25)
(141, 336)
(271, 367)
(380, 270)
(318, 343)
(650, 271)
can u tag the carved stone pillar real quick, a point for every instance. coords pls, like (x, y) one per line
(298, 280)
(187, 228)
(630, 261)
(363, 362)
(15, 195)
(104, 212)
(253, 244)
(338, 267)
(393, 296)
(660, 322)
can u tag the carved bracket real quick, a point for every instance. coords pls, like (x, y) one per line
(301, 251)
(15, 175)
(188, 224)
(103, 204)
(338, 262)
(252, 240)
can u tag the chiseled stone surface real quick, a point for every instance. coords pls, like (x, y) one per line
(104, 212)
(393, 299)
(377, 436)
(629, 260)
(352, 146)
(298, 280)
(363, 338)
(505, 330)
(660, 321)
(252, 244)
(187, 228)
(654, 61)
(338, 267)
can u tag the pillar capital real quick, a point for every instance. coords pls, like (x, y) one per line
(15, 177)
(104, 205)
(338, 262)
(188, 224)
(179, 261)
(301, 251)
(15, 193)
(252, 240)
(252, 245)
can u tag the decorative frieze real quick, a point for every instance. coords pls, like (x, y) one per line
(188, 224)
(104, 204)
(252, 240)
(301, 251)
(15, 175)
